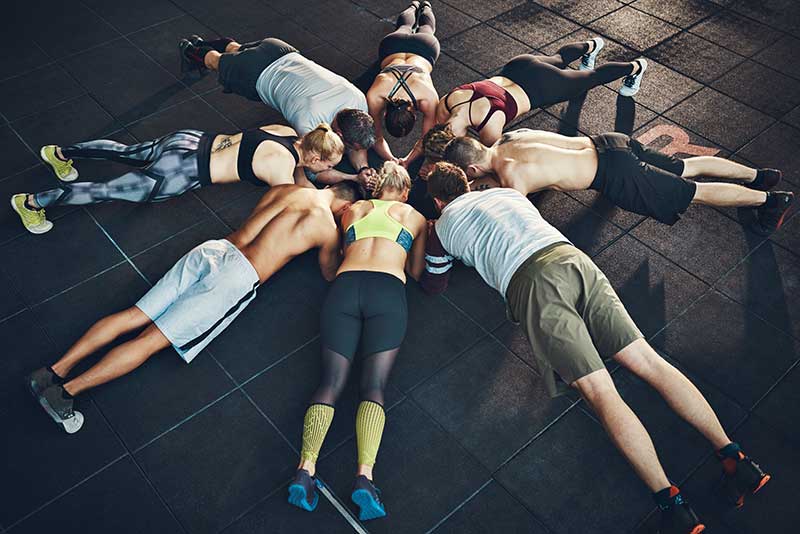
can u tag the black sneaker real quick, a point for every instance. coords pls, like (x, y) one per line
(766, 179)
(770, 215)
(220, 45)
(59, 405)
(368, 499)
(40, 380)
(303, 491)
(679, 519)
(192, 56)
(741, 477)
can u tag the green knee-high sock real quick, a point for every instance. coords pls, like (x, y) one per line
(370, 420)
(315, 426)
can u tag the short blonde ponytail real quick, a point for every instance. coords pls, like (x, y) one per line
(391, 176)
(324, 142)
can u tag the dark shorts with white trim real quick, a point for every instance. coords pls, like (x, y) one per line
(201, 295)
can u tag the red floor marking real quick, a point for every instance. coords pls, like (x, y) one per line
(680, 141)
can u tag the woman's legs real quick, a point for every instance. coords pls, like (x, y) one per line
(427, 20)
(370, 417)
(567, 54)
(405, 20)
(319, 414)
(558, 85)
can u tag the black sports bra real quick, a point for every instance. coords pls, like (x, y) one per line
(251, 140)
(402, 73)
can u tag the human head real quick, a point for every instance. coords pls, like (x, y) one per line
(446, 183)
(467, 153)
(392, 177)
(436, 140)
(345, 193)
(400, 117)
(356, 129)
(322, 148)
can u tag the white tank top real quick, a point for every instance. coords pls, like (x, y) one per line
(495, 231)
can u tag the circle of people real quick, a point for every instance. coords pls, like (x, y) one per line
(476, 190)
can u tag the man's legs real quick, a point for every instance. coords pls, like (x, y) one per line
(120, 361)
(677, 390)
(99, 335)
(623, 427)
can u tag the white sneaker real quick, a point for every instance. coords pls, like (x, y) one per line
(587, 60)
(631, 83)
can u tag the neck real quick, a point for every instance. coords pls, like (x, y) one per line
(301, 155)
(391, 194)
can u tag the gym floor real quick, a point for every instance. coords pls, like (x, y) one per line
(472, 442)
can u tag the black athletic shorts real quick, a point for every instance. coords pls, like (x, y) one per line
(239, 71)
(640, 179)
(364, 306)
(425, 45)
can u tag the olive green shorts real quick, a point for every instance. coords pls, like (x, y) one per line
(572, 316)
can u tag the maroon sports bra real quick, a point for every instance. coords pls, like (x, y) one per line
(499, 100)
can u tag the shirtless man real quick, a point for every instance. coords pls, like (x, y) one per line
(632, 176)
(203, 293)
(179, 162)
(305, 93)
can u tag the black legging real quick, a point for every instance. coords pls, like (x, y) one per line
(405, 39)
(335, 369)
(362, 309)
(547, 80)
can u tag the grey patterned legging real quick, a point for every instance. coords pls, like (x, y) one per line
(171, 169)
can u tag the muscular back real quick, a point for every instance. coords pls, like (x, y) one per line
(286, 222)
(533, 160)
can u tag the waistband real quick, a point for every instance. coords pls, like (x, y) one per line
(370, 274)
(532, 259)
(601, 146)
(204, 158)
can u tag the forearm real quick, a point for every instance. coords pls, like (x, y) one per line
(333, 176)
(382, 149)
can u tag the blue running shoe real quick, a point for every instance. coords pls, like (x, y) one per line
(631, 84)
(303, 491)
(587, 60)
(368, 499)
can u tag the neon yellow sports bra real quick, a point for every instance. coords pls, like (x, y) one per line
(378, 223)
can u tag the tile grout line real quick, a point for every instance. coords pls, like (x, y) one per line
(65, 492)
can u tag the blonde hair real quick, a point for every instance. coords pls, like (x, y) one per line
(391, 176)
(324, 142)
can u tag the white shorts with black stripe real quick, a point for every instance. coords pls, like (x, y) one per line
(201, 295)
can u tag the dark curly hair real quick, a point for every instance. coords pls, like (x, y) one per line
(447, 182)
(400, 117)
(436, 140)
(349, 190)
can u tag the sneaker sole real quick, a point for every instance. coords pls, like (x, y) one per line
(37, 231)
(369, 509)
(71, 177)
(298, 497)
(71, 425)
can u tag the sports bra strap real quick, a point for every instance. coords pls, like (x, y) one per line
(402, 77)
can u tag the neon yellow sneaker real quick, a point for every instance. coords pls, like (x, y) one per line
(63, 169)
(33, 220)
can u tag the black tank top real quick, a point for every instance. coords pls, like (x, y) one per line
(251, 140)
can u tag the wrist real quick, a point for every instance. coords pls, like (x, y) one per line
(362, 169)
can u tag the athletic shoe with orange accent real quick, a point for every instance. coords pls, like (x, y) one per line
(771, 214)
(679, 518)
(741, 477)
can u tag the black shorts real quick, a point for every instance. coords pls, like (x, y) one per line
(425, 45)
(641, 180)
(239, 71)
(364, 306)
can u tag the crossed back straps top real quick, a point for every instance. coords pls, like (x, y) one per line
(499, 100)
(402, 73)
